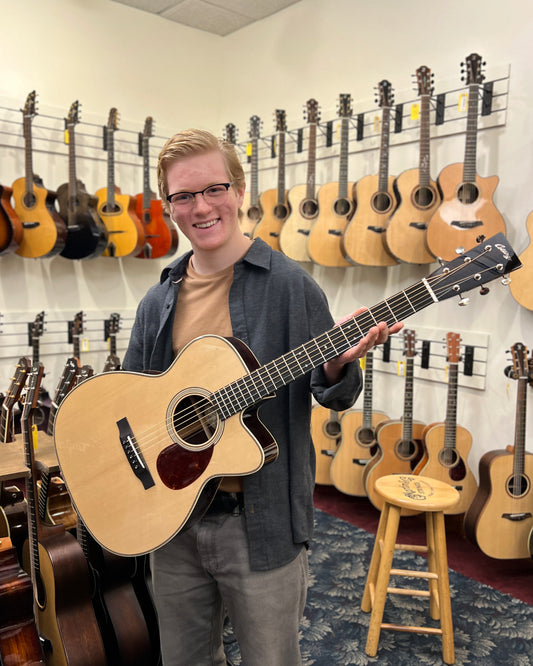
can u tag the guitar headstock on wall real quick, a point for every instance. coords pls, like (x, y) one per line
(409, 343)
(148, 129)
(230, 133)
(112, 120)
(30, 107)
(520, 362)
(312, 111)
(345, 106)
(255, 127)
(385, 95)
(474, 65)
(453, 347)
(281, 120)
(424, 81)
(73, 117)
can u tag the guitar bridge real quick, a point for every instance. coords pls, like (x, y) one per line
(134, 456)
(516, 517)
(466, 224)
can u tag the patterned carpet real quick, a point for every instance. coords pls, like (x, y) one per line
(489, 627)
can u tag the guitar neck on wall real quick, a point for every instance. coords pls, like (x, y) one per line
(251, 208)
(112, 326)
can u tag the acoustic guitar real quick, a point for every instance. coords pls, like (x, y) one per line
(448, 444)
(418, 197)
(358, 441)
(325, 433)
(11, 397)
(251, 208)
(117, 210)
(58, 569)
(10, 225)
(160, 233)
(112, 327)
(365, 238)
(44, 232)
(401, 446)
(335, 203)
(521, 287)
(275, 203)
(119, 439)
(303, 199)
(467, 209)
(500, 517)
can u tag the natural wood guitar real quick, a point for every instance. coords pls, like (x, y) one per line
(86, 233)
(251, 207)
(158, 445)
(117, 210)
(303, 199)
(275, 202)
(44, 232)
(358, 442)
(160, 233)
(417, 194)
(467, 210)
(521, 287)
(10, 225)
(500, 518)
(401, 446)
(335, 204)
(448, 444)
(325, 433)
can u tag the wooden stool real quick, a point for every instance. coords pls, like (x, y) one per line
(432, 497)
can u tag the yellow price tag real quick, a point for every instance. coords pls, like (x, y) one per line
(362, 363)
(463, 102)
(35, 437)
(66, 137)
(400, 369)
(415, 111)
(248, 150)
(377, 123)
(85, 344)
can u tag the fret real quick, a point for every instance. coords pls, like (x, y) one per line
(383, 179)
(343, 164)
(469, 168)
(281, 168)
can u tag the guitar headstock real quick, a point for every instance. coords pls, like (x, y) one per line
(520, 362)
(77, 325)
(385, 94)
(424, 80)
(474, 74)
(148, 130)
(67, 379)
(453, 347)
(84, 373)
(74, 113)
(37, 327)
(17, 382)
(114, 323)
(281, 120)
(255, 127)
(112, 120)
(345, 106)
(312, 111)
(230, 133)
(409, 342)
(33, 385)
(30, 106)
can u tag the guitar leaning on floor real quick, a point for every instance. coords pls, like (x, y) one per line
(448, 444)
(467, 209)
(500, 518)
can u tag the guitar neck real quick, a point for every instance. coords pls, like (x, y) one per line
(469, 167)
(450, 425)
(343, 159)
(424, 154)
(28, 159)
(31, 496)
(368, 390)
(254, 187)
(383, 180)
(110, 168)
(281, 168)
(311, 162)
(71, 175)
(146, 173)
(407, 421)
(520, 432)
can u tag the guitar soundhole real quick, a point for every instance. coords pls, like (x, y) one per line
(253, 213)
(194, 421)
(468, 193)
(448, 457)
(29, 199)
(342, 207)
(280, 211)
(518, 485)
(365, 436)
(406, 449)
(381, 202)
(424, 197)
(309, 208)
(332, 429)
(110, 210)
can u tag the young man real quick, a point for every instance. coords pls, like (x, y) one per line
(247, 556)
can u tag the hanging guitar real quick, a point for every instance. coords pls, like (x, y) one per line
(251, 208)
(86, 233)
(521, 288)
(11, 398)
(119, 440)
(112, 327)
(326, 434)
(44, 232)
(467, 209)
(10, 225)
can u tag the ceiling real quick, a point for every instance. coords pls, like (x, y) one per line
(219, 17)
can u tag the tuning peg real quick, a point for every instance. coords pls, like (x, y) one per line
(464, 300)
(484, 290)
(505, 280)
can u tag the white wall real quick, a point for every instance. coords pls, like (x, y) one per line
(106, 54)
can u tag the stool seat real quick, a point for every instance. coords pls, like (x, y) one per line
(431, 497)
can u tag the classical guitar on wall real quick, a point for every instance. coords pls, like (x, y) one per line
(251, 207)
(160, 233)
(521, 286)
(303, 199)
(365, 238)
(86, 233)
(325, 433)
(448, 444)
(44, 231)
(417, 194)
(500, 517)
(335, 203)
(467, 209)
(117, 210)
(160, 460)
(274, 202)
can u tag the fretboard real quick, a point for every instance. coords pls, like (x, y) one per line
(383, 179)
(520, 431)
(281, 168)
(407, 421)
(469, 167)
(110, 168)
(254, 187)
(368, 390)
(71, 175)
(343, 159)
(450, 425)
(28, 161)
(146, 173)
(311, 162)
(424, 155)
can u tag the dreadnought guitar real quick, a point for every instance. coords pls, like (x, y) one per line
(275, 203)
(58, 569)
(325, 433)
(334, 203)
(86, 233)
(117, 210)
(417, 194)
(521, 287)
(251, 207)
(448, 444)
(500, 518)
(157, 446)
(358, 443)
(10, 225)
(303, 198)
(467, 209)
(160, 233)
(365, 238)
(400, 442)
(44, 232)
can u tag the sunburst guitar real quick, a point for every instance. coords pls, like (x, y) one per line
(325, 433)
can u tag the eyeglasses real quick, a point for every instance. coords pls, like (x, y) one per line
(213, 194)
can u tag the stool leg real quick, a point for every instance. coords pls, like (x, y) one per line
(382, 583)
(448, 651)
(366, 603)
(432, 567)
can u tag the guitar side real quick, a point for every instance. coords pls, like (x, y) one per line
(521, 284)
(126, 234)
(10, 225)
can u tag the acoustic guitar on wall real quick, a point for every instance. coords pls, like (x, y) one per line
(251, 208)
(521, 287)
(365, 238)
(10, 225)
(467, 210)
(325, 433)
(335, 203)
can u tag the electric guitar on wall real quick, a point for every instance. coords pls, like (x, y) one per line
(251, 208)
(86, 233)
(500, 517)
(365, 238)
(417, 194)
(44, 232)
(303, 198)
(448, 444)
(119, 440)
(335, 204)
(160, 233)
(275, 203)
(325, 433)
(125, 230)
(467, 210)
